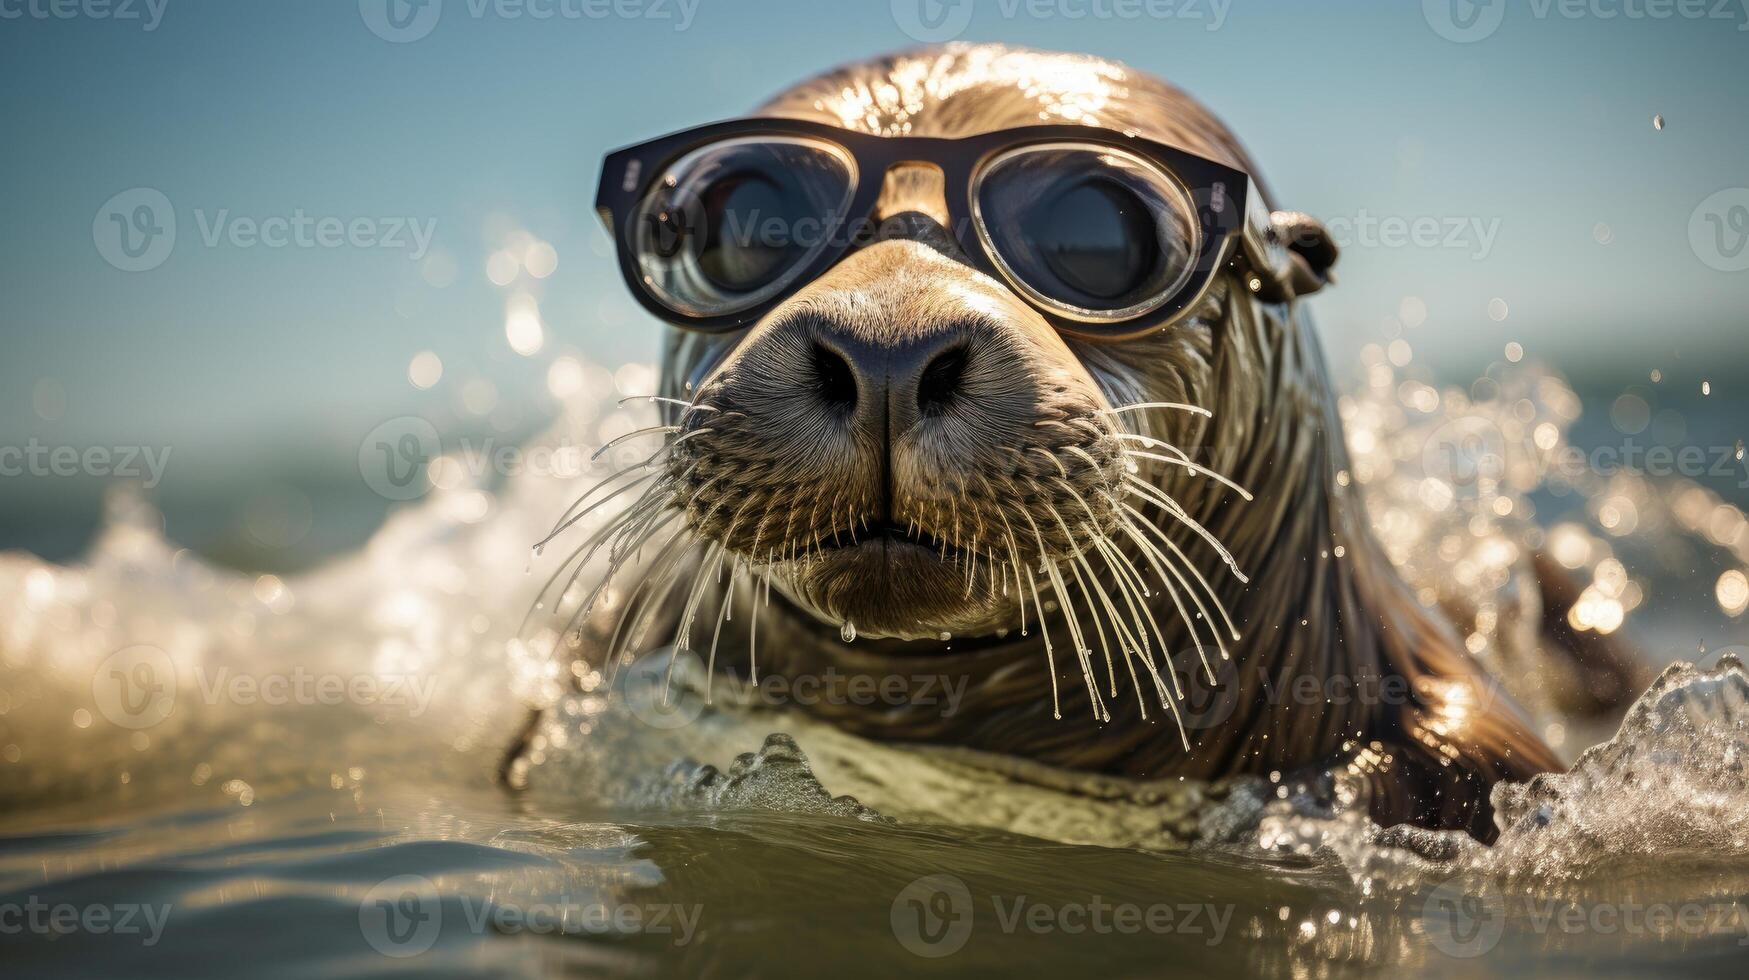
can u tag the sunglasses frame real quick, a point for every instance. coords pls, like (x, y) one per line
(1229, 210)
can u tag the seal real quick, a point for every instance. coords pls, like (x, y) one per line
(1138, 551)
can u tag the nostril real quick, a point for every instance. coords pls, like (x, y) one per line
(833, 379)
(941, 380)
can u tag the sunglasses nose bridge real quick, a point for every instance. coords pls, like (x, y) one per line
(917, 186)
(911, 205)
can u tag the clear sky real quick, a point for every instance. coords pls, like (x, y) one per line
(1530, 152)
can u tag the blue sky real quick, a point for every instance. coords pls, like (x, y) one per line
(1516, 147)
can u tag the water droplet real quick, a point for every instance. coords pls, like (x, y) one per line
(1658, 122)
(847, 632)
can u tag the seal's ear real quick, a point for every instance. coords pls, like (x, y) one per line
(1308, 243)
(1290, 253)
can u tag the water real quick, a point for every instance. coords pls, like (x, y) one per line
(213, 772)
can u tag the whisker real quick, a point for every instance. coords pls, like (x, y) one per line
(579, 557)
(1162, 564)
(710, 667)
(572, 520)
(1081, 650)
(639, 531)
(690, 406)
(1134, 591)
(1145, 406)
(659, 566)
(635, 433)
(682, 640)
(1181, 460)
(1178, 603)
(1127, 644)
(753, 639)
(713, 556)
(1050, 657)
(1159, 498)
(1061, 469)
(1092, 608)
(1190, 566)
(665, 573)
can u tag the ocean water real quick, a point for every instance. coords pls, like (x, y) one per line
(208, 773)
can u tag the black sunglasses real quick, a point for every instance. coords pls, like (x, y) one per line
(1108, 235)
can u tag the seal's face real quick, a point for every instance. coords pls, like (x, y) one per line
(901, 436)
(904, 440)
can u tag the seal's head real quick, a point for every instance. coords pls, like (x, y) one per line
(903, 439)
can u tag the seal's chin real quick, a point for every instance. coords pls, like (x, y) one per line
(889, 584)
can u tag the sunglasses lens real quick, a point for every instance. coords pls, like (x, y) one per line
(731, 224)
(1091, 232)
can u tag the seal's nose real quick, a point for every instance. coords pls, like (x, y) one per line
(895, 383)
